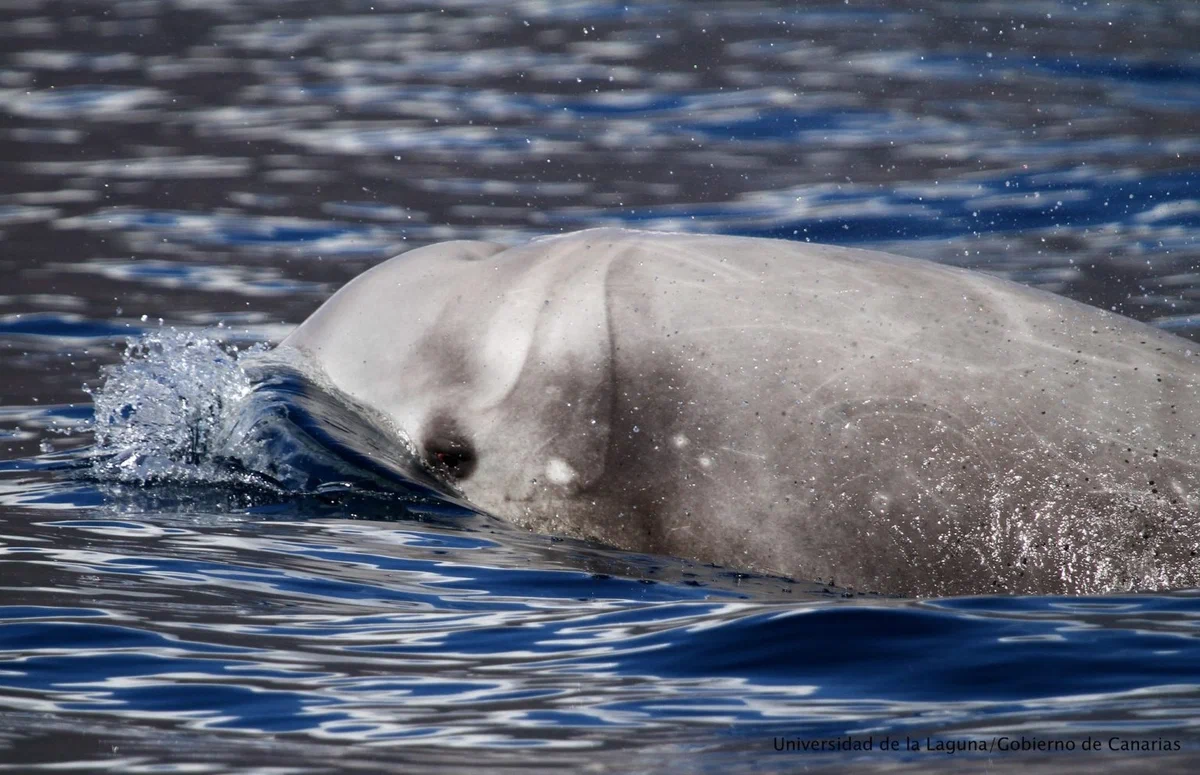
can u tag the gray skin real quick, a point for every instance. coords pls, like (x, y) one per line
(852, 417)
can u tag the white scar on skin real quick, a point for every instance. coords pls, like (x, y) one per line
(560, 472)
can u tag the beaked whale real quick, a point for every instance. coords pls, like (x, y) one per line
(852, 417)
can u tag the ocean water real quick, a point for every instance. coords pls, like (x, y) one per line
(200, 571)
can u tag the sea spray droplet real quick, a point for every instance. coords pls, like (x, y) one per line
(162, 412)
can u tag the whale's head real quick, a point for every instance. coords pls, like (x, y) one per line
(496, 364)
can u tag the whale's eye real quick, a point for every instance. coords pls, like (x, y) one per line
(447, 449)
(458, 462)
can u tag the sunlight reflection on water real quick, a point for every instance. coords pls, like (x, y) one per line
(230, 164)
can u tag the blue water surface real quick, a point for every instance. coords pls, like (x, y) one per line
(185, 181)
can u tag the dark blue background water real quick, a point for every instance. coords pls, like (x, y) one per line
(205, 164)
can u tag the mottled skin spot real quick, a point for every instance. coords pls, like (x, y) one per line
(825, 413)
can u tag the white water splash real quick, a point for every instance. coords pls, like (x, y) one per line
(164, 412)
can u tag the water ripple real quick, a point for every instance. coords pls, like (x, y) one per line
(292, 607)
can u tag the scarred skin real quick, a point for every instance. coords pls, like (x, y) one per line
(857, 418)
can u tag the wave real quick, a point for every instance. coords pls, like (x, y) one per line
(187, 410)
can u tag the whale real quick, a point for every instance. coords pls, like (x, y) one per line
(859, 419)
